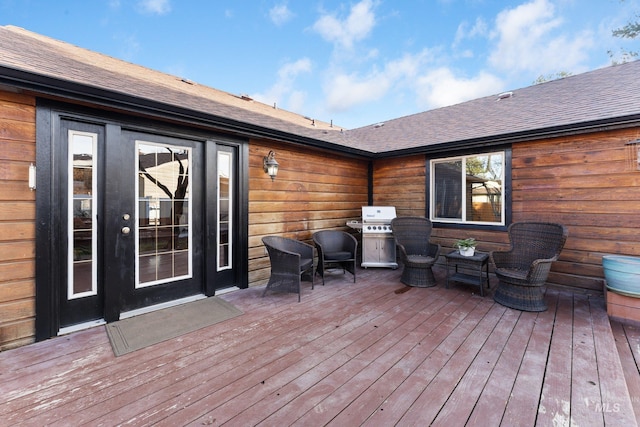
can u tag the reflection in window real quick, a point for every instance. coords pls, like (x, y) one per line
(164, 219)
(468, 189)
(225, 162)
(82, 186)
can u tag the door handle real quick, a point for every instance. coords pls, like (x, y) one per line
(125, 230)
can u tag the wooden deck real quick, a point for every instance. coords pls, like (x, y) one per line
(372, 353)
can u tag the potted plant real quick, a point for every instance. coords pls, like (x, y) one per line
(466, 247)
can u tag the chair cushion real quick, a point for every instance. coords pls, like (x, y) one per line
(511, 273)
(337, 256)
(419, 259)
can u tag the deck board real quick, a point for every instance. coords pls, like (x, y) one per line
(627, 338)
(431, 355)
(468, 390)
(489, 408)
(616, 411)
(522, 406)
(584, 372)
(368, 353)
(555, 401)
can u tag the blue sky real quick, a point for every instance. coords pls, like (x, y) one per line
(353, 62)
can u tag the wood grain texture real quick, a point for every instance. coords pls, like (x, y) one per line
(347, 354)
(17, 219)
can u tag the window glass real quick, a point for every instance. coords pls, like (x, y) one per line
(225, 202)
(163, 243)
(82, 272)
(468, 189)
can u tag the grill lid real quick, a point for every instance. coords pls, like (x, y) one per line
(378, 214)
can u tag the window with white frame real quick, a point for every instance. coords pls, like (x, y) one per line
(468, 189)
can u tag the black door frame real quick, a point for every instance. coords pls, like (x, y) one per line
(238, 276)
(48, 224)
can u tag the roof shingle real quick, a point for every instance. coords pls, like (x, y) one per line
(606, 94)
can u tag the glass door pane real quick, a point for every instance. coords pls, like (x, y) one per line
(82, 208)
(164, 232)
(225, 203)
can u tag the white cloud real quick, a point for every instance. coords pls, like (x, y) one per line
(128, 46)
(155, 7)
(479, 28)
(282, 92)
(355, 27)
(345, 90)
(297, 101)
(291, 70)
(440, 87)
(529, 38)
(280, 14)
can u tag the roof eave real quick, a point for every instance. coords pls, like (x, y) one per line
(66, 89)
(511, 138)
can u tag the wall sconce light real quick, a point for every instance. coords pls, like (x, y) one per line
(270, 165)
(32, 177)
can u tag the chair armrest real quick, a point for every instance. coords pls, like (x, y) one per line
(434, 250)
(352, 244)
(402, 250)
(283, 261)
(540, 269)
(305, 250)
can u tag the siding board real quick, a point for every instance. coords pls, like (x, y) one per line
(314, 190)
(17, 220)
(401, 183)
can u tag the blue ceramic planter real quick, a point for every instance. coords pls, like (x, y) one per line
(622, 274)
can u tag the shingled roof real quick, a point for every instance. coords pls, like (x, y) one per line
(595, 100)
(50, 66)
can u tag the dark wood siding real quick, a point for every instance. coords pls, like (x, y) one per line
(589, 183)
(313, 191)
(401, 183)
(17, 220)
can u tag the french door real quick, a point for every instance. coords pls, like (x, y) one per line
(130, 219)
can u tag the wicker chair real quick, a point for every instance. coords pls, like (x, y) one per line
(523, 269)
(336, 248)
(417, 253)
(290, 261)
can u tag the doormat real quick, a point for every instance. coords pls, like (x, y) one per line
(141, 331)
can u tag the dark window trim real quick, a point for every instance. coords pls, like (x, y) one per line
(507, 189)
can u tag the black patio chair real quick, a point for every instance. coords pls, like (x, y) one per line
(417, 253)
(523, 269)
(291, 260)
(336, 249)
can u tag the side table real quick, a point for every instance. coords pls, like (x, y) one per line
(478, 262)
